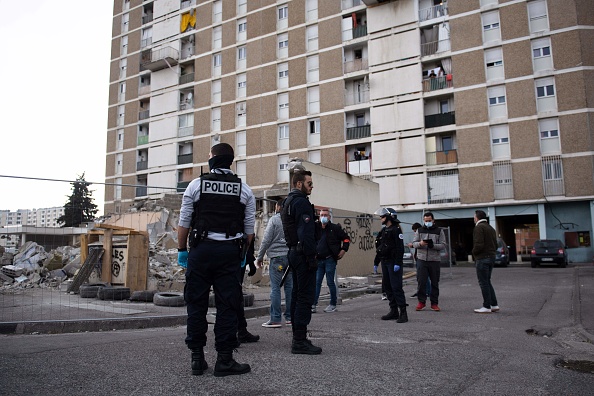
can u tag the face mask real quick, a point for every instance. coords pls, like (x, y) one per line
(324, 220)
(428, 224)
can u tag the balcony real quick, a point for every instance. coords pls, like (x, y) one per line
(144, 114)
(356, 65)
(141, 165)
(346, 4)
(187, 3)
(147, 18)
(160, 59)
(186, 78)
(435, 47)
(144, 90)
(353, 98)
(141, 191)
(185, 131)
(359, 167)
(437, 120)
(437, 11)
(142, 140)
(442, 157)
(181, 186)
(359, 132)
(184, 159)
(146, 42)
(437, 83)
(186, 104)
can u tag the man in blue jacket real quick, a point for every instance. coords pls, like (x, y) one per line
(298, 223)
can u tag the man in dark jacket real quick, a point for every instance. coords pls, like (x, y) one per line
(298, 220)
(332, 246)
(483, 249)
(390, 252)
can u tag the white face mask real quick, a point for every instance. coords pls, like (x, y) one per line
(428, 224)
(324, 220)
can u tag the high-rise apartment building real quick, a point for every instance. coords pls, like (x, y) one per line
(448, 106)
(42, 217)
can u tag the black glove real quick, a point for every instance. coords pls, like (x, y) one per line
(311, 262)
(252, 268)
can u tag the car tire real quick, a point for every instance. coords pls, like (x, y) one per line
(169, 299)
(113, 293)
(90, 290)
(533, 264)
(563, 265)
(143, 295)
(248, 300)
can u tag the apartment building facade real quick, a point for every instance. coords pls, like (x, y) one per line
(449, 107)
(42, 217)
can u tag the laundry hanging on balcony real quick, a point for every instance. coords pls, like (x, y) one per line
(188, 19)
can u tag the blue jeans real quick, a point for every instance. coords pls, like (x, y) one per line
(484, 269)
(326, 267)
(276, 274)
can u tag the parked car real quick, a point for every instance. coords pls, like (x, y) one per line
(407, 259)
(502, 254)
(548, 251)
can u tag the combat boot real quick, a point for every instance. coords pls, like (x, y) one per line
(199, 364)
(392, 315)
(302, 346)
(403, 315)
(226, 365)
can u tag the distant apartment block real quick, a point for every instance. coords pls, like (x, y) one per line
(43, 217)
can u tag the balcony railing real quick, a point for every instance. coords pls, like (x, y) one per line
(144, 89)
(141, 192)
(435, 47)
(437, 83)
(186, 78)
(436, 120)
(346, 4)
(353, 98)
(181, 186)
(185, 131)
(184, 159)
(359, 167)
(356, 65)
(159, 59)
(442, 157)
(144, 114)
(186, 104)
(433, 12)
(187, 3)
(141, 165)
(146, 42)
(359, 132)
(147, 18)
(360, 31)
(142, 140)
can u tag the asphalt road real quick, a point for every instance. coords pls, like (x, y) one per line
(517, 351)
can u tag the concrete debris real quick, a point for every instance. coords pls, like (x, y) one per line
(22, 279)
(12, 271)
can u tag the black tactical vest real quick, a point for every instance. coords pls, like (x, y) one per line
(289, 223)
(219, 208)
(386, 243)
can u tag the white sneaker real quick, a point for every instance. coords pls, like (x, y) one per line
(494, 308)
(314, 309)
(330, 308)
(483, 310)
(272, 325)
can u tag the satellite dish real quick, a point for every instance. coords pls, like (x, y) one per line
(190, 96)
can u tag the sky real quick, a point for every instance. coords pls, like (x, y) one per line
(54, 82)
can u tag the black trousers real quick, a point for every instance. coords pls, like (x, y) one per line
(213, 264)
(392, 284)
(304, 290)
(241, 322)
(428, 270)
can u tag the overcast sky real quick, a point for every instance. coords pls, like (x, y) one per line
(54, 81)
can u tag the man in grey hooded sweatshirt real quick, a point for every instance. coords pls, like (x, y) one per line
(274, 245)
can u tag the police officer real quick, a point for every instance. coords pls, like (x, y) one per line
(217, 210)
(389, 252)
(298, 220)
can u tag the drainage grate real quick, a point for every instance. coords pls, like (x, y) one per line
(583, 366)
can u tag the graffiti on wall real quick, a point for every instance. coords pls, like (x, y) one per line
(359, 229)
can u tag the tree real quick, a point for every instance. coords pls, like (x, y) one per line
(80, 207)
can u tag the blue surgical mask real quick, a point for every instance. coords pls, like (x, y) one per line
(324, 220)
(428, 224)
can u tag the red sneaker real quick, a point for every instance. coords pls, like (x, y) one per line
(435, 307)
(420, 306)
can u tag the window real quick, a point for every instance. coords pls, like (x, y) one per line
(313, 69)
(217, 37)
(241, 29)
(123, 67)
(541, 54)
(241, 57)
(497, 106)
(314, 156)
(552, 169)
(283, 76)
(537, 16)
(491, 30)
(117, 194)
(494, 63)
(147, 37)
(545, 90)
(216, 65)
(241, 114)
(241, 85)
(216, 91)
(124, 45)
(283, 106)
(545, 94)
(125, 22)
(312, 37)
(500, 148)
(240, 143)
(314, 126)
(283, 167)
(217, 11)
(122, 91)
(283, 131)
(120, 141)
(497, 100)
(502, 176)
(186, 120)
(313, 100)
(118, 164)
(241, 7)
(548, 129)
(283, 45)
(216, 119)
(311, 10)
(283, 12)
(241, 170)
(121, 115)
(126, 5)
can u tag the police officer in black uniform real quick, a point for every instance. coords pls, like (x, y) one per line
(389, 252)
(298, 220)
(217, 210)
